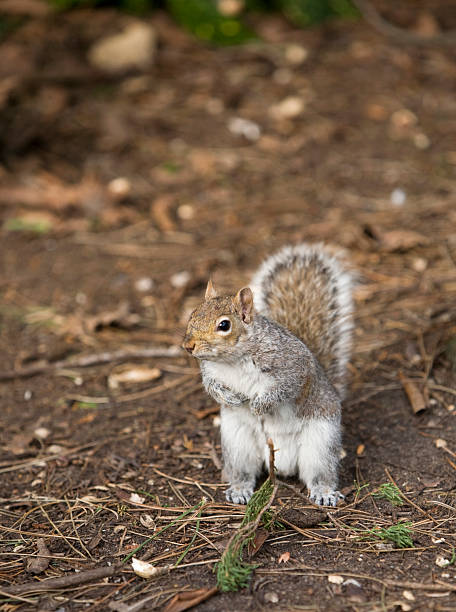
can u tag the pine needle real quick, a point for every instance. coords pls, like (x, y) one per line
(390, 492)
(233, 572)
(400, 534)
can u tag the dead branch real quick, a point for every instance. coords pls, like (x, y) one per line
(31, 8)
(379, 23)
(72, 579)
(271, 461)
(91, 360)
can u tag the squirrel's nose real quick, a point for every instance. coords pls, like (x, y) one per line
(189, 346)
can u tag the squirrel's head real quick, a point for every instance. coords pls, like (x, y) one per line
(219, 324)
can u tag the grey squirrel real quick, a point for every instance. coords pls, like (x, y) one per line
(274, 357)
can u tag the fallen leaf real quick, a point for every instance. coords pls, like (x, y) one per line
(131, 375)
(402, 240)
(161, 211)
(188, 599)
(442, 562)
(147, 570)
(414, 395)
(120, 317)
(430, 482)
(335, 579)
(147, 521)
(88, 418)
(38, 564)
(426, 25)
(284, 557)
(271, 597)
(19, 444)
(134, 47)
(258, 541)
(360, 450)
(55, 449)
(137, 499)
(289, 108)
(93, 543)
(46, 190)
(188, 444)
(31, 8)
(42, 433)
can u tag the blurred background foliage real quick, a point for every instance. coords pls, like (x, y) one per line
(226, 22)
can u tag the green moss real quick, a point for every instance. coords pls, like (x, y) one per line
(203, 19)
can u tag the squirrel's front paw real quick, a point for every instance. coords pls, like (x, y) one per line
(259, 407)
(228, 397)
(325, 496)
(239, 493)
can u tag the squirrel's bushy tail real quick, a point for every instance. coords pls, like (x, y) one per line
(308, 291)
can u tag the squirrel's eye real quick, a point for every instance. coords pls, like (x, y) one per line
(224, 325)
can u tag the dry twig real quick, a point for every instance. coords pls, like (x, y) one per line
(92, 360)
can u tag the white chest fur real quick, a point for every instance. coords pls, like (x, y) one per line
(244, 377)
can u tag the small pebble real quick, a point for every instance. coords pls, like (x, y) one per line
(420, 264)
(215, 106)
(42, 433)
(398, 197)
(180, 279)
(282, 76)
(271, 597)
(403, 118)
(137, 499)
(408, 595)
(27, 395)
(55, 449)
(335, 579)
(119, 187)
(185, 212)
(289, 108)
(442, 562)
(360, 450)
(421, 141)
(244, 127)
(230, 8)
(81, 298)
(441, 443)
(144, 284)
(353, 582)
(296, 54)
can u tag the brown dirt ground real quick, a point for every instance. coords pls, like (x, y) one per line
(203, 201)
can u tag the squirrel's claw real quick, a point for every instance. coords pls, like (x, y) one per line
(323, 496)
(239, 493)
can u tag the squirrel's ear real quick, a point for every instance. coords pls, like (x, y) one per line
(244, 303)
(210, 291)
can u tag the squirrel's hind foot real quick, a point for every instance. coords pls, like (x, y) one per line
(324, 496)
(240, 493)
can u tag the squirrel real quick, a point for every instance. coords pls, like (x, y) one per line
(274, 356)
